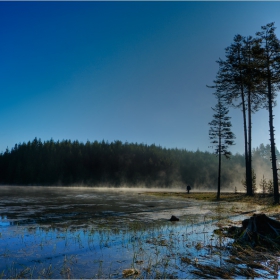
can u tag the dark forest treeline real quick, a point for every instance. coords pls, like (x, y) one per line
(97, 163)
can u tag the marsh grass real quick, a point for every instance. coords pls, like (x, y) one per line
(240, 201)
(257, 198)
(155, 253)
(128, 248)
(244, 262)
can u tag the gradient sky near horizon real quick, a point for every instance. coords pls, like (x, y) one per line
(129, 71)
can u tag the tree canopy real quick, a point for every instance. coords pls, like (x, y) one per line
(248, 78)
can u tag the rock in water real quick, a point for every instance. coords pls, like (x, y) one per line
(174, 219)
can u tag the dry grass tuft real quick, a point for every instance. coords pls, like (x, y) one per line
(130, 271)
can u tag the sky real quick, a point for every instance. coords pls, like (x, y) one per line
(128, 71)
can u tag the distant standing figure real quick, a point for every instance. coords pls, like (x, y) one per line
(188, 188)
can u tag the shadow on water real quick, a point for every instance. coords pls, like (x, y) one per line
(90, 233)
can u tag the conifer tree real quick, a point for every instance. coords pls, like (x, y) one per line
(240, 80)
(230, 81)
(270, 189)
(263, 185)
(270, 73)
(220, 134)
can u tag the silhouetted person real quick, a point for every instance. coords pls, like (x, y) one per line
(188, 188)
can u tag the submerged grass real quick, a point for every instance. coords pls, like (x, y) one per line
(237, 260)
(139, 251)
(122, 247)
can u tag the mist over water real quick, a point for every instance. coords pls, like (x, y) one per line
(122, 188)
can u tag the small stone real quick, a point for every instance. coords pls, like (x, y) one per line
(174, 219)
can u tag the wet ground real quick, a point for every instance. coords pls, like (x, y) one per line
(99, 233)
(82, 207)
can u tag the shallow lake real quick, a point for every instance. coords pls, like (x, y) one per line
(56, 232)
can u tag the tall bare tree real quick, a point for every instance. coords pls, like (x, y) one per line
(270, 70)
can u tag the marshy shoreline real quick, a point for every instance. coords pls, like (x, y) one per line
(119, 233)
(265, 200)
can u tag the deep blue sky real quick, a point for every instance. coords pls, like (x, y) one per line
(129, 71)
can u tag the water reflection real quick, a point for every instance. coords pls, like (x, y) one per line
(93, 234)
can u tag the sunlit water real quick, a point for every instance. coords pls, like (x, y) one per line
(95, 233)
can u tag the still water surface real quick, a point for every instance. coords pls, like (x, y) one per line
(97, 233)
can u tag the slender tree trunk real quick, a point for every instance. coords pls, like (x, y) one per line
(247, 162)
(249, 190)
(219, 172)
(249, 180)
(272, 141)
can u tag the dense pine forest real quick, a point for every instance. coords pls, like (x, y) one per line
(66, 163)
